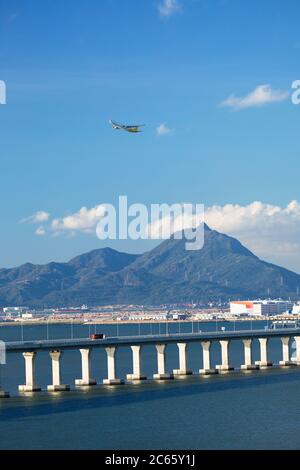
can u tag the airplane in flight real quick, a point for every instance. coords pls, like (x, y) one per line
(133, 129)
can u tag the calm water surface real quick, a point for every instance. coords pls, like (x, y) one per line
(256, 410)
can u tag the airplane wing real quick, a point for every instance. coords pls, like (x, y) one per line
(135, 128)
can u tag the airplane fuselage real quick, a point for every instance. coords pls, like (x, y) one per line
(132, 129)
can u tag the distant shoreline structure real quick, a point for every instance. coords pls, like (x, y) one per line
(136, 322)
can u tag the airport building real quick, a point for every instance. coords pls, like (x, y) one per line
(260, 307)
(296, 309)
(14, 311)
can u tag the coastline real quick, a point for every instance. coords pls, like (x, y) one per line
(136, 322)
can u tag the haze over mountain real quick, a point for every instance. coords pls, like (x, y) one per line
(169, 273)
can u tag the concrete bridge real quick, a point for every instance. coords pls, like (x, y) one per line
(30, 349)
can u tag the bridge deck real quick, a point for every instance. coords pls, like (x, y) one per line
(48, 345)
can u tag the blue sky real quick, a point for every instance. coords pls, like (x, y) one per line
(70, 66)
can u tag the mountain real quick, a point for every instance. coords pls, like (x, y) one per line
(32, 284)
(169, 273)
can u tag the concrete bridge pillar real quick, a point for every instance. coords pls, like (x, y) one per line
(225, 366)
(207, 370)
(30, 383)
(263, 363)
(248, 355)
(183, 370)
(86, 369)
(285, 352)
(3, 394)
(161, 364)
(297, 341)
(137, 364)
(56, 377)
(111, 367)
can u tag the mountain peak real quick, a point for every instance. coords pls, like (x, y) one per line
(107, 259)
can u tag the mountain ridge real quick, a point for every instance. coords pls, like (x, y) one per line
(168, 273)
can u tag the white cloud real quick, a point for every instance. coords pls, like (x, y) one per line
(40, 231)
(262, 95)
(83, 220)
(173, 222)
(162, 129)
(167, 8)
(38, 217)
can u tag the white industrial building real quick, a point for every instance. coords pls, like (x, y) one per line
(260, 307)
(296, 309)
(16, 311)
